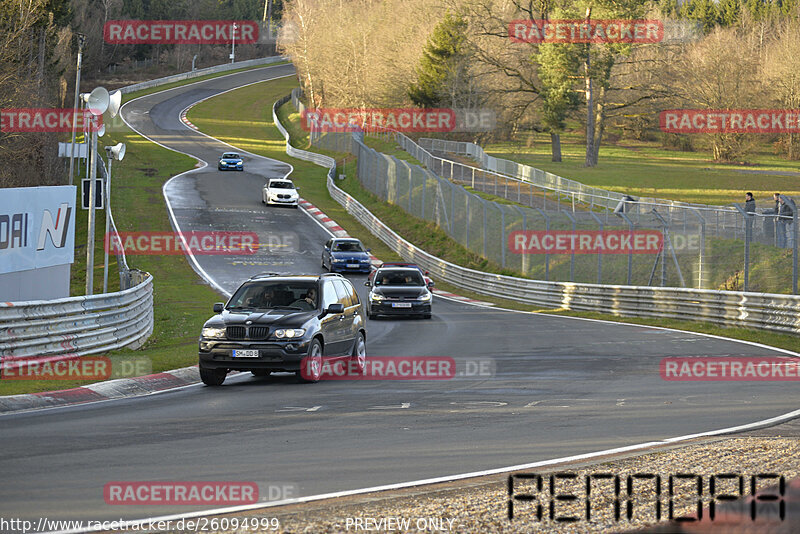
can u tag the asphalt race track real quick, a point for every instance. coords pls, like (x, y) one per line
(561, 386)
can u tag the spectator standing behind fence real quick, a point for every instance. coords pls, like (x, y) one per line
(785, 218)
(749, 203)
(749, 208)
(780, 237)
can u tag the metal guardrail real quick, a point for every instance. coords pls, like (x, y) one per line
(319, 159)
(49, 330)
(201, 72)
(763, 311)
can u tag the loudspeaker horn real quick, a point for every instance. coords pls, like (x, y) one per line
(114, 103)
(98, 101)
(102, 131)
(117, 151)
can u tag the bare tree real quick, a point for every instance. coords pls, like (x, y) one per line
(782, 75)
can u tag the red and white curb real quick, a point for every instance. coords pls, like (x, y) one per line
(338, 231)
(186, 121)
(330, 224)
(102, 391)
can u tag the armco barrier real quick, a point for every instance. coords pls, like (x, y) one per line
(77, 326)
(321, 160)
(762, 311)
(201, 72)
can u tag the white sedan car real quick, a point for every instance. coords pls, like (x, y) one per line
(280, 191)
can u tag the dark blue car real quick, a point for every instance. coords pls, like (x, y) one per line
(230, 161)
(346, 254)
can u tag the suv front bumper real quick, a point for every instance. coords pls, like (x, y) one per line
(272, 355)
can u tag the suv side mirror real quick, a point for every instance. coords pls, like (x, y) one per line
(431, 284)
(218, 307)
(367, 283)
(427, 273)
(335, 308)
(369, 249)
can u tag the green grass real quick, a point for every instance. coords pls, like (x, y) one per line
(644, 168)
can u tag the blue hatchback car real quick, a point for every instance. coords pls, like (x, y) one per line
(346, 254)
(230, 161)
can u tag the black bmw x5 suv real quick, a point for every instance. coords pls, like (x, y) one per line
(276, 323)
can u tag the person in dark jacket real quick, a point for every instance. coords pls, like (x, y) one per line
(785, 219)
(749, 203)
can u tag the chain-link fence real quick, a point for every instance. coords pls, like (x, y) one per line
(498, 216)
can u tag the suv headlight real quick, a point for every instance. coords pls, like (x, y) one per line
(375, 297)
(425, 298)
(213, 332)
(337, 260)
(289, 333)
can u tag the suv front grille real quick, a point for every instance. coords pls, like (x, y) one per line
(258, 332)
(235, 332)
(241, 332)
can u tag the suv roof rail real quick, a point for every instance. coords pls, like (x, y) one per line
(323, 275)
(259, 275)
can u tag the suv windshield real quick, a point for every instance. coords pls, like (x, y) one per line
(262, 295)
(348, 246)
(230, 155)
(399, 278)
(281, 185)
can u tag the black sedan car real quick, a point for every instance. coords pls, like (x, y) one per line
(230, 161)
(278, 323)
(399, 291)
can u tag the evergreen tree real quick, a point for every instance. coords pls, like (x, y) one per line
(441, 60)
(730, 12)
(558, 67)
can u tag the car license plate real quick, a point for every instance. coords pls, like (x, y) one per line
(240, 353)
(353, 266)
(401, 304)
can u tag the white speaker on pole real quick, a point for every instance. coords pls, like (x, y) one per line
(114, 103)
(117, 151)
(102, 131)
(98, 101)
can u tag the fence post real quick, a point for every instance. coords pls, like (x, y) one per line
(790, 201)
(748, 230)
(599, 254)
(572, 255)
(630, 252)
(524, 229)
(502, 235)
(468, 221)
(700, 274)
